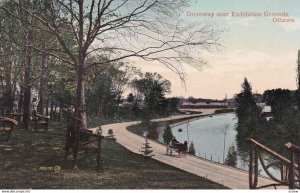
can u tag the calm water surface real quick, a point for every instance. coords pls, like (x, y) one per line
(212, 137)
(209, 134)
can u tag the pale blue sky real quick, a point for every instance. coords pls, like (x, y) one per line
(254, 47)
(258, 33)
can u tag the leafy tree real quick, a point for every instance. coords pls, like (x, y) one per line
(152, 132)
(192, 150)
(173, 104)
(154, 88)
(248, 113)
(289, 127)
(29, 46)
(231, 159)
(249, 121)
(59, 91)
(105, 87)
(285, 125)
(168, 135)
(280, 101)
(95, 27)
(100, 95)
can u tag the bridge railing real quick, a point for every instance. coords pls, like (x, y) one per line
(289, 171)
(294, 166)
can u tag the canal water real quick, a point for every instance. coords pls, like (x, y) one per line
(212, 137)
(209, 134)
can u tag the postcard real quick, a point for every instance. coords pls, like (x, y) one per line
(149, 94)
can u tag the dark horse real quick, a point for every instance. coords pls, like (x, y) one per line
(181, 148)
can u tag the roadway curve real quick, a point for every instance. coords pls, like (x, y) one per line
(227, 176)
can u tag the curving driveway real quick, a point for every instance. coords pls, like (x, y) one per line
(228, 176)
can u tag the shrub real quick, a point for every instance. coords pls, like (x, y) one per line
(231, 159)
(168, 135)
(151, 129)
(192, 150)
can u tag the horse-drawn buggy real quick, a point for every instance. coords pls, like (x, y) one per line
(175, 146)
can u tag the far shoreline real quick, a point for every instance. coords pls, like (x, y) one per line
(197, 118)
(188, 119)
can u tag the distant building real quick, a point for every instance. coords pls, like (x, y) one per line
(131, 105)
(267, 112)
(204, 105)
(231, 103)
(261, 105)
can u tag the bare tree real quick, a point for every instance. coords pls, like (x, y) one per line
(119, 29)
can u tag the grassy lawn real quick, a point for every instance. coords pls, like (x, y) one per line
(27, 161)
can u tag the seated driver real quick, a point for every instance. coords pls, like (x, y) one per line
(174, 142)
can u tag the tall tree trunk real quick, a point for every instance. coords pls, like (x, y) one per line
(101, 111)
(80, 108)
(55, 112)
(51, 110)
(9, 102)
(28, 37)
(42, 88)
(60, 113)
(14, 90)
(47, 107)
(107, 109)
(19, 79)
(98, 111)
(20, 102)
(27, 86)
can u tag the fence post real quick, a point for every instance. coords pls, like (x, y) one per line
(256, 166)
(251, 166)
(292, 171)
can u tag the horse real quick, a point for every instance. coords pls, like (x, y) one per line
(181, 148)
